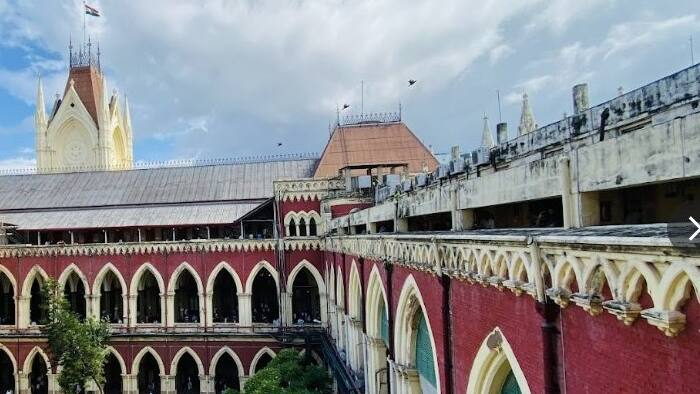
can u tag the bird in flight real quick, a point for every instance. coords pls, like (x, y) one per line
(279, 144)
(346, 106)
(411, 82)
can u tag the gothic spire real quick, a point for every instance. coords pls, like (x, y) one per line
(40, 113)
(486, 137)
(527, 120)
(127, 114)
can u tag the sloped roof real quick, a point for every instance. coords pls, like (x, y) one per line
(153, 196)
(88, 84)
(370, 144)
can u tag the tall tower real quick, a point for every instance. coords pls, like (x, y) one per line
(85, 131)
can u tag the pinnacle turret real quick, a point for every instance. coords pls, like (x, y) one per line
(486, 137)
(527, 119)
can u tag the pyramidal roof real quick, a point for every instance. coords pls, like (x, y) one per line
(374, 144)
(88, 83)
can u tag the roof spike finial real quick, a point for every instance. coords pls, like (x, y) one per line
(486, 137)
(40, 114)
(527, 119)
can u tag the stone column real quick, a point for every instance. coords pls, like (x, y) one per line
(170, 309)
(242, 379)
(53, 383)
(286, 309)
(23, 313)
(566, 197)
(245, 311)
(132, 319)
(23, 382)
(130, 383)
(206, 384)
(401, 225)
(588, 209)
(167, 384)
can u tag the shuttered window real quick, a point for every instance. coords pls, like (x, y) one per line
(510, 386)
(424, 352)
(383, 325)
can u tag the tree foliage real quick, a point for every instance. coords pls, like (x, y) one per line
(290, 373)
(77, 346)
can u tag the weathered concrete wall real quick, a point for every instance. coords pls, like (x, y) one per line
(534, 180)
(662, 151)
(433, 199)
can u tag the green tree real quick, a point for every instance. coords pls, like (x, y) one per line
(78, 347)
(290, 373)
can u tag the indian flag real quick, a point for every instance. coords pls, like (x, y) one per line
(92, 11)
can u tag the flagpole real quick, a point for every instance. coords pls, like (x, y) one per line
(84, 15)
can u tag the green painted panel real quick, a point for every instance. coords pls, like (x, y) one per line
(424, 352)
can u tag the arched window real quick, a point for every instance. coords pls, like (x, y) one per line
(264, 298)
(424, 353)
(7, 371)
(187, 377)
(312, 227)
(186, 299)
(113, 375)
(306, 302)
(263, 361)
(302, 227)
(292, 228)
(383, 324)
(226, 375)
(111, 301)
(37, 312)
(7, 301)
(38, 380)
(225, 303)
(148, 299)
(149, 375)
(74, 291)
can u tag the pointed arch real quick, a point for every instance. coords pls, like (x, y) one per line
(172, 287)
(676, 285)
(258, 355)
(184, 266)
(492, 365)
(134, 291)
(322, 292)
(27, 304)
(109, 267)
(7, 351)
(377, 332)
(119, 358)
(410, 309)
(139, 356)
(111, 303)
(223, 266)
(35, 271)
(36, 352)
(234, 356)
(179, 354)
(354, 292)
(376, 295)
(254, 272)
(11, 278)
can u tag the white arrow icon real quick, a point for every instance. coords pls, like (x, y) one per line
(695, 234)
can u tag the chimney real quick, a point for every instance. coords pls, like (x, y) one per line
(502, 132)
(455, 152)
(580, 93)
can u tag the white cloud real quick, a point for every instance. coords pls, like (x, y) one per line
(557, 15)
(268, 63)
(499, 53)
(17, 163)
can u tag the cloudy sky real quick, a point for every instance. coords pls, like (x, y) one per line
(213, 79)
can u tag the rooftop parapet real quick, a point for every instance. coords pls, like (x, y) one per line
(679, 87)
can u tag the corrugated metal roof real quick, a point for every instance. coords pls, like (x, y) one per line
(142, 216)
(224, 182)
(167, 196)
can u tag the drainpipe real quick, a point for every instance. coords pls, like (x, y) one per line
(447, 318)
(549, 312)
